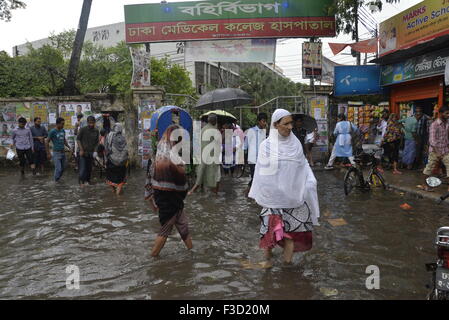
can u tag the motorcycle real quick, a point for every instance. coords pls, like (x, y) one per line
(440, 269)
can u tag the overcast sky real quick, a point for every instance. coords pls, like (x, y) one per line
(41, 17)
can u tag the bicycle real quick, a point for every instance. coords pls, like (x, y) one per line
(354, 177)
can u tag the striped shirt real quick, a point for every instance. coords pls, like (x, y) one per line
(439, 137)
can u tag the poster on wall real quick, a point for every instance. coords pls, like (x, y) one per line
(141, 67)
(66, 112)
(8, 113)
(40, 110)
(70, 137)
(323, 139)
(6, 129)
(23, 110)
(82, 108)
(146, 111)
(318, 107)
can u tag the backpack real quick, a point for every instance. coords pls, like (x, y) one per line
(118, 156)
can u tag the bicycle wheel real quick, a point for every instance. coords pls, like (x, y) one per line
(376, 180)
(351, 180)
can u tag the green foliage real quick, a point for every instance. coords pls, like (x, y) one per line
(344, 11)
(63, 41)
(263, 85)
(36, 74)
(6, 6)
(42, 71)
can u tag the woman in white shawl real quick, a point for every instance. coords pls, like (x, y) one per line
(286, 189)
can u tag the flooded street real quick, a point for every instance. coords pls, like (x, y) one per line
(45, 227)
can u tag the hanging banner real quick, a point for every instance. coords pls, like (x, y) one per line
(311, 60)
(422, 22)
(141, 67)
(248, 50)
(357, 80)
(328, 71)
(424, 66)
(212, 20)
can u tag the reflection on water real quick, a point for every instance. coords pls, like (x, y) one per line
(44, 227)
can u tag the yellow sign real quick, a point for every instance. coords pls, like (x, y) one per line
(67, 116)
(318, 107)
(425, 21)
(40, 111)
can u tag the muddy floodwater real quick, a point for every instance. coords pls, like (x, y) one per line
(45, 227)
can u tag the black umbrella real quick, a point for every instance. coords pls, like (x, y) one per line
(223, 98)
(308, 122)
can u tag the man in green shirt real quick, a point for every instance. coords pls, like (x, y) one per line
(409, 154)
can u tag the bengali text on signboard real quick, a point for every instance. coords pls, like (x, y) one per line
(214, 20)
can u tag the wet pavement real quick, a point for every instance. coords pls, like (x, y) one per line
(44, 227)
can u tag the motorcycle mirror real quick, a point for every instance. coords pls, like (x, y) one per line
(433, 182)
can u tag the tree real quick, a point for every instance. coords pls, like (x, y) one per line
(6, 6)
(69, 86)
(264, 85)
(42, 72)
(346, 12)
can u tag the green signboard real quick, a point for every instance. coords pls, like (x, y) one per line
(428, 65)
(212, 20)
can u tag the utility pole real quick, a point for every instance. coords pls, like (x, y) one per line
(355, 35)
(312, 82)
(69, 85)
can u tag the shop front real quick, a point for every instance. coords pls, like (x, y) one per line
(416, 82)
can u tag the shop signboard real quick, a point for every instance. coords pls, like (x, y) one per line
(214, 20)
(428, 65)
(357, 80)
(423, 22)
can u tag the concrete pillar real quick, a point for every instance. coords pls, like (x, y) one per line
(141, 96)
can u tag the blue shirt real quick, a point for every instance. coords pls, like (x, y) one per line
(57, 137)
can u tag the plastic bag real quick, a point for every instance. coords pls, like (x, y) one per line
(10, 155)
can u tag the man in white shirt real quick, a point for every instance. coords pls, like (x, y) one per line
(253, 139)
(382, 127)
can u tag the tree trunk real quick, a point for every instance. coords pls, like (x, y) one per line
(69, 85)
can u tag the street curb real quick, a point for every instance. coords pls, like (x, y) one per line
(418, 194)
